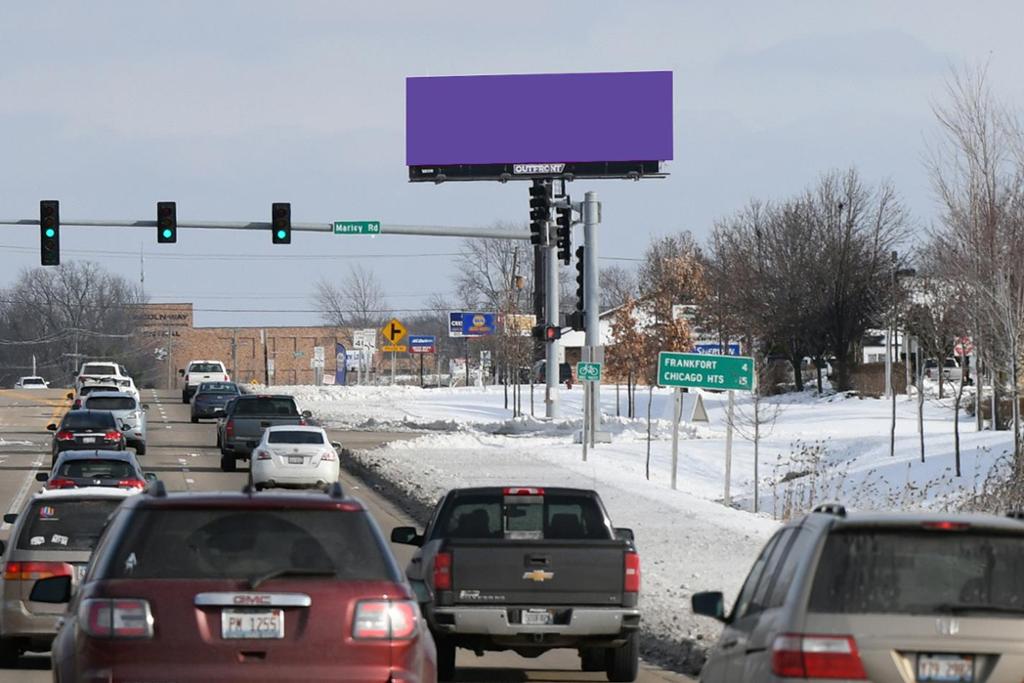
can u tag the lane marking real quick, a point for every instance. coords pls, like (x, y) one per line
(59, 407)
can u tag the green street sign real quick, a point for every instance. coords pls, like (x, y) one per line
(705, 371)
(588, 372)
(356, 227)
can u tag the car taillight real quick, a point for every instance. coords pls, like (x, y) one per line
(631, 580)
(118, 618)
(61, 483)
(131, 484)
(34, 571)
(523, 491)
(443, 572)
(65, 435)
(385, 619)
(796, 655)
(946, 526)
(262, 455)
(77, 404)
(112, 436)
(329, 456)
(229, 428)
(302, 421)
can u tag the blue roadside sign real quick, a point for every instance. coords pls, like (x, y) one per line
(422, 343)
(716, 349)
(472, 324)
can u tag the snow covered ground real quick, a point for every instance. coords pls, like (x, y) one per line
(812, 449)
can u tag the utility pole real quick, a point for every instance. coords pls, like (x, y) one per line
(234, 354)
(551, 314)
(591, 210)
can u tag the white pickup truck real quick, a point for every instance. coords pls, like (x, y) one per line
(199, 371)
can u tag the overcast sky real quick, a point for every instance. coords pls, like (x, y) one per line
(226, 107)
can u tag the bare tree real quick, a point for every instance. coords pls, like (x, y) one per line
(617, 285)
(487, 269)
(357, 302)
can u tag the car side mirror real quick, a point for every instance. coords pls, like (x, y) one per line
(336, 445)
(51, 427)
(42, 476)
(406, 535)
(145, 406)
(11, 517)
(709, 604)
(150, 477)
(126, 428)
(70, 396)
(181, 372)
(54, 590)
(3, 547)
(624, 534)
(306, 414)
(220, 413)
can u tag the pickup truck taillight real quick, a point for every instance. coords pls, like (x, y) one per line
(34, 571)
(631, 581)
(117, 618)
(385, 620)
(443, 572)
(229, 429)
(797, 655)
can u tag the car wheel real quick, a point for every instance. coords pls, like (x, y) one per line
(592, 659)
(9, 653)
(140, 449)
(445, 659)
(227, 463)
(622, 664)
(184, 397)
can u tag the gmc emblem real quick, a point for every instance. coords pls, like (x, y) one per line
(251, 599)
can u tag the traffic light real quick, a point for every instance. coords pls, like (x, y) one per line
(576, 320)
(166, 222)
(540, 211)
(281, 223)
(547, 332)
(563, 221)
(49, 232)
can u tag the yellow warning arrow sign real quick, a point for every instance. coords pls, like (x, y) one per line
(394, 331)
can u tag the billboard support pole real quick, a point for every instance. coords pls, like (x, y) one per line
(551, 309)
(591, 211)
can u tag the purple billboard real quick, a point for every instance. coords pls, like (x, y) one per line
(601, 124)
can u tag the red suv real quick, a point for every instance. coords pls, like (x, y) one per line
(241, 587)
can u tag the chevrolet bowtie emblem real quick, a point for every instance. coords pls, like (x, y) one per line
(538, 576)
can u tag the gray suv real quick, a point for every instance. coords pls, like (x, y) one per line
(890, 598)
(127, 409)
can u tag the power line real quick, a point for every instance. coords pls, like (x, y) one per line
(231, 257)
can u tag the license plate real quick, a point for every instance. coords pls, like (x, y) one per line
(536, 617)
(236, 624)
(88, 439)
(295, 459)
(957, 668)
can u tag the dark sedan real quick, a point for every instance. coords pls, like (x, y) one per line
(76, 469)
(211, 397)
(86, 430)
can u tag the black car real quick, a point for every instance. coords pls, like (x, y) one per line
(75, 469)
(211, 397)
(86, 430)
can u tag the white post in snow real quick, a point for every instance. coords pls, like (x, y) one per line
(677, 410)
(728, 447)
(392, 368)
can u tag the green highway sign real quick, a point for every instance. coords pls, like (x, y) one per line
(705, 371)
(356, 227)
(588, 372)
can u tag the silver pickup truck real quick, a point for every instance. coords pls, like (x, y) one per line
(249, 415)
(528, 570)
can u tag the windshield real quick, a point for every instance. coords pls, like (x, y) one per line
(218, 388)
(65, 524)
(206, 367)
(78, 419)
(221, 544)
(97, 469)
(111, 403)
(267, 406)
(551, 516)
(296, 437)
(918, 572)
(99, 369)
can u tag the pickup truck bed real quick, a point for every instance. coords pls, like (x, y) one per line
(249, 417)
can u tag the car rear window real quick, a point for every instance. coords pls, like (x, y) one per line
(534, 517)
(217, 388)
(90, 388)
(244, 544)
(96, 468)
(65, 524)
(99, 369)
(267, 406)
(206, 367)
(77, 419)
(295, 436)
(918, 572)
(110, 403)
(32, 380)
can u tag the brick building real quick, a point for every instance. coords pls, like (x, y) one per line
(248, 352)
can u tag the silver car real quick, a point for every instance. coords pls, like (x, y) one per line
(53, 536)
(890, 598)
(127, 410)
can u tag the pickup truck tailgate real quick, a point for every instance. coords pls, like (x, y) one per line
(585, 572)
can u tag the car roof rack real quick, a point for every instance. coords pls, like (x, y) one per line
(837, 509)
(335, 491)
(157, 489)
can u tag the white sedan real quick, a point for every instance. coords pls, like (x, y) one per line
(294, 456)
